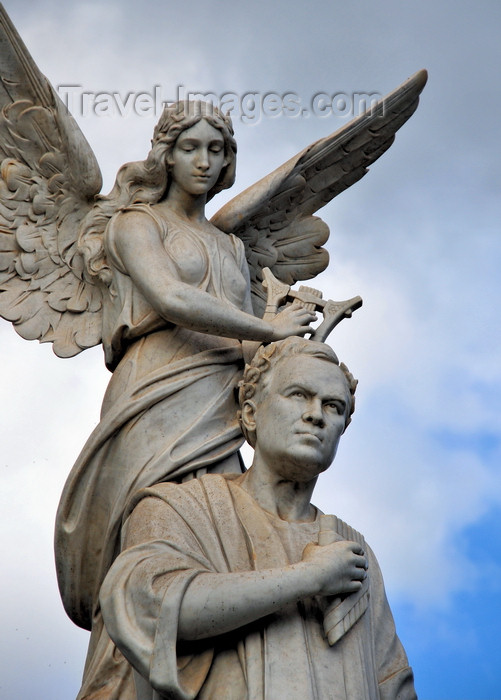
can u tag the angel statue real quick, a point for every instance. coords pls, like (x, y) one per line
(172, 297)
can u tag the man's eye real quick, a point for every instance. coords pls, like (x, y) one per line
(298, 394)
(336, 407)
(216, 149)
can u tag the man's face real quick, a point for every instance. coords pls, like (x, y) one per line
(300, 416)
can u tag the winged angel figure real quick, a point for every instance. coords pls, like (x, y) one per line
(169, 294)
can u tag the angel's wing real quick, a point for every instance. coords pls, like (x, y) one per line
(274, 216)
(49, 179)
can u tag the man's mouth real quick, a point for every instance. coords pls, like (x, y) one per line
(309, 433)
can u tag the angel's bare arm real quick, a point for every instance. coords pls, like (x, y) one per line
(143, 255)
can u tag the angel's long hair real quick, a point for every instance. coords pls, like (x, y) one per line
(148, 181)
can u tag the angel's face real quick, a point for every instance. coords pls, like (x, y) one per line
(197, 158)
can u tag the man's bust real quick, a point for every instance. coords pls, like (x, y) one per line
(229, 587)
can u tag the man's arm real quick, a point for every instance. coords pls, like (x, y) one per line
(215, 603)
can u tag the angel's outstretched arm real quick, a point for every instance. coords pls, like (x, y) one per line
(154, 275)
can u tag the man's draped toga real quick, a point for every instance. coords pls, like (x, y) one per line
(213, 525)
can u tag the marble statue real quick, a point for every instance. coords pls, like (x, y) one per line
(177, 301)
(235, 586)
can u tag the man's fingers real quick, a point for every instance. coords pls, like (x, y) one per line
(361, 564)
(353, 586)
(359, 575)
(357, 548)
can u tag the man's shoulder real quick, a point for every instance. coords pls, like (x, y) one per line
(192, 492)
(168, 489)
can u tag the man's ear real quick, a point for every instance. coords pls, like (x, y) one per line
(248, 415)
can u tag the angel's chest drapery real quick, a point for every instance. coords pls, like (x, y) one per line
(210, 261)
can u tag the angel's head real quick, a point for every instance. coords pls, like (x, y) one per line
(181, 116)
(148, 181)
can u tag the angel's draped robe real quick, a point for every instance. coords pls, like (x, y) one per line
(212, 525)
(169, 413)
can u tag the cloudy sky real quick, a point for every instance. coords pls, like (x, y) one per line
(418, 238)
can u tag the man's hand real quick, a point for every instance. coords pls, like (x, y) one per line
(337, 568)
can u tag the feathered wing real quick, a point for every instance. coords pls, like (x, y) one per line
(274, 218)
(49, 180)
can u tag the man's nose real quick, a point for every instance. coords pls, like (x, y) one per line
(314, 413)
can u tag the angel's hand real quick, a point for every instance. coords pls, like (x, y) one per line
(293, 320)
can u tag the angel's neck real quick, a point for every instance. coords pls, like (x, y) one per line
(186, 205)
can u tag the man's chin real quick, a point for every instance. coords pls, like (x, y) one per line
(307, 464)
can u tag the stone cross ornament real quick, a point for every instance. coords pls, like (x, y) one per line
(333, 311)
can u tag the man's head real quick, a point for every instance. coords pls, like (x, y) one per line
(296, 401)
